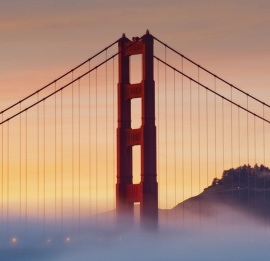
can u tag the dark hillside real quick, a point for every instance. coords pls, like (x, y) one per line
(245, 189)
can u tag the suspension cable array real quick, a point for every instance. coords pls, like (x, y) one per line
(228, 135)
(59, 78)
(204, 69)
(212, 91)
(67, 152)
(66, 85)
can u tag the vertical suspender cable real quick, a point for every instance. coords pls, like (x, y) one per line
(72, 146)
(20, 162)
(166, 145)
(2, 174)
(263, 138)
(239, 146)
(248, 160)
(79, 130)
(96, 148)
(182, 126)
(158, 144)
(215, 128)
(106, 136)
(174, 132)
(37, 158)
(232, 149)
(199, 143)
(44, 166)
(232, 139)
(222, 134)
(255, 152)
(247, 135)
(113, 128)
(62, 161)
(255, 174)
(199, 129)
(215, 137)
(190, 119)
(223, 140)
(55, 157)
(113, 95)
(264, 179)
(89, 139)
(8, 178)
(206, 104)
(26, 170)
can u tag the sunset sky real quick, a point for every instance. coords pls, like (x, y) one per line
(40, 40)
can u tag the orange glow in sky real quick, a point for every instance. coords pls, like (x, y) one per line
(39, 42)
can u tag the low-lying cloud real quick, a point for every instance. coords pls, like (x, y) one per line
(221, 234)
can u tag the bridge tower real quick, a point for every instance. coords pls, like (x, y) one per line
(146, 192)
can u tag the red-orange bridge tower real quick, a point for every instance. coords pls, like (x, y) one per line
(146, 192)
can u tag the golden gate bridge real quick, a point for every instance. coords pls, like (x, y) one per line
(138, 124)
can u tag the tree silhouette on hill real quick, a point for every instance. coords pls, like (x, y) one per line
(245, 176)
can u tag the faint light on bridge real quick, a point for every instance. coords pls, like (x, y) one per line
(68, 239)
(14, 240)
(48, 240)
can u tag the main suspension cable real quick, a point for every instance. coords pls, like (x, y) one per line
(62, 76)
(210, 90)
(63, 87)
(183, 56)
